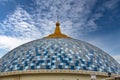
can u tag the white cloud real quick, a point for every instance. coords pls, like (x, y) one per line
(76, 12)
(20, 24)
(7, 42)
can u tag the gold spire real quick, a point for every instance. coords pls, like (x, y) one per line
(57, 33)
(57, 29)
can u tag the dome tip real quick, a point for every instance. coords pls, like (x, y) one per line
(57, 33)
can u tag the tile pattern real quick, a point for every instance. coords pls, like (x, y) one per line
(58, 53)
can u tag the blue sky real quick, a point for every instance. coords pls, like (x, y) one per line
(93, 21)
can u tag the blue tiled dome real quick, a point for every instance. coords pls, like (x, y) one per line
(58, 53)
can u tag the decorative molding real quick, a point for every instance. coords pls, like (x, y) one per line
(82, 72)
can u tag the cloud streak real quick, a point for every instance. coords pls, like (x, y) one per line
(19, 24)
(73, 14)
(10, 43)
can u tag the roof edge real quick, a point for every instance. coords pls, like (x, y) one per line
(58, 71)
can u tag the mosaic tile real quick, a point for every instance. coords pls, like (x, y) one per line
(58, 53)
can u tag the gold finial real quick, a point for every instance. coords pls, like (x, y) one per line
(57, 29)
(57, 23)
(57, 33)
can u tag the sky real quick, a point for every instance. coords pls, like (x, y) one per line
(94, 21)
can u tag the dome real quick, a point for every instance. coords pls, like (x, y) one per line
(60, 52)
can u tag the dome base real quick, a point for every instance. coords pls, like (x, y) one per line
(52, 75)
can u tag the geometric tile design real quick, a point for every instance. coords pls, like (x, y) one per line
(58, 53)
